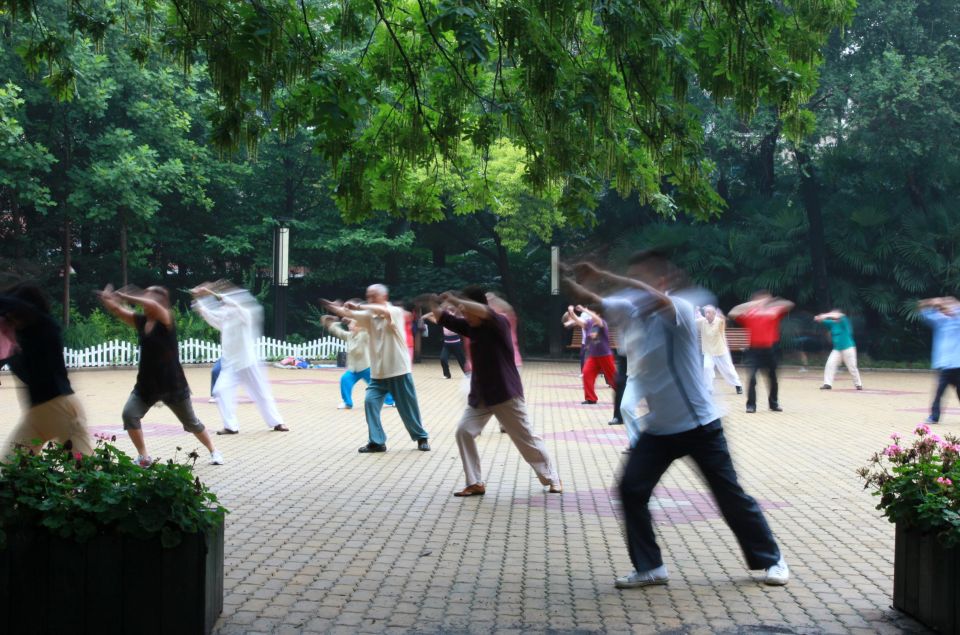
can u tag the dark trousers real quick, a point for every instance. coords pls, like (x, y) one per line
(706, 445)
(621, 384)
(946, 377)
(765, 358)
(455, 349)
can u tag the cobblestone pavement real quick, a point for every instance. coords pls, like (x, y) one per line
(321, 539)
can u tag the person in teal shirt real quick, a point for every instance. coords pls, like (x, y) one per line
(844, 348)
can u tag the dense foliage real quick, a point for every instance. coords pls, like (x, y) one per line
(430, 144)
(78, 497)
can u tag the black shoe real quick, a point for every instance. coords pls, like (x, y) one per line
(227, 431)
(751, 408)
(859, 387)
(826, 387)
(776, 408)
(422, 445)
(739, 390)
(615, 422)
(372, 447)
(587, 402)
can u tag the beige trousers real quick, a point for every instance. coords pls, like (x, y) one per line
(849, 357)
(59, 419)
(512, 415)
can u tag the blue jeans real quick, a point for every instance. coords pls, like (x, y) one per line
(401, 387)
(349, 379)
(706, 445)
(214, 374)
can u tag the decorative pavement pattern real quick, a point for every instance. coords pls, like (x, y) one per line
(321, 539)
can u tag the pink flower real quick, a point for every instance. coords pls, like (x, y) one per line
(893, 450)
(77, 456)
(922, 429)
(936, 438)
(943, 480)
(895, 436)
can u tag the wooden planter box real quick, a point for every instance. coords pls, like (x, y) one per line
(110, 584)
(926, 580)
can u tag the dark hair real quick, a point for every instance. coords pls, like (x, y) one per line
(161, 291)
(656, 260)
(31, 294)
(475, 293)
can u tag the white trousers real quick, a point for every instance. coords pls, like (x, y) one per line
(255, 383)
(722, 363)
(632, 394)
(849, 357)
(513, 418)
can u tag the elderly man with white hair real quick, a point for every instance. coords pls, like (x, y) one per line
(390, 371)
(716, 353)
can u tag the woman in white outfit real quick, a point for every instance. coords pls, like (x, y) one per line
(716, 353)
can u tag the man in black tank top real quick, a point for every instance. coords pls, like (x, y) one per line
(160, 376)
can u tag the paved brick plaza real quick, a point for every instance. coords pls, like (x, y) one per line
(322, 539)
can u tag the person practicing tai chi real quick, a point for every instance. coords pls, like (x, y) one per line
(683, 421)
(452, 346)
(34, 351)
(599, 357)
(358, 358)
(239, 318)
(159, 376)
(762, 316)
(942, 315)
(716, 353)
(390, 371)
(844, 348)
(495, 388)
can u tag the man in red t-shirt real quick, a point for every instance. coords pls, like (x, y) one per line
(761, 316)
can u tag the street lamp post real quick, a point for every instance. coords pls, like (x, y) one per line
(281, 277)
(554, 328)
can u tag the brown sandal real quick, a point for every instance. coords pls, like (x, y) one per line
(281, 428)
(556, 488)
(477, 489)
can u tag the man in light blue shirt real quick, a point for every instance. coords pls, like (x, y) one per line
(683, 421)
(943, 316)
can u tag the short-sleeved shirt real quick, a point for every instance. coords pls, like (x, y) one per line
(841, 333)
(596, 338)
(713, 336)
(495, 378)
(160, 376)
(389, 356)
(946, 338)
(671, 372)
(763, 325)
(39, 361)
(625, 310)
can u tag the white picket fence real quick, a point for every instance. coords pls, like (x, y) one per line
(193, 351)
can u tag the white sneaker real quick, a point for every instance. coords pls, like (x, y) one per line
(344, 406)
(216, 458)
(634, 580)
(778, 574)
(212, 400)
(144, 461)
(389, 405)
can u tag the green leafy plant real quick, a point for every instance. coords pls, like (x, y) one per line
(77, 497)
(919, 485)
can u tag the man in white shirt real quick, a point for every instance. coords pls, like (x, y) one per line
(390, 371)
(239, 318)
(716, 353)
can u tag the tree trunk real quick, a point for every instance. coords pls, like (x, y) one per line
(123, 248)
(391, 260)
(810, 195)
(768, 153)
(67, 266)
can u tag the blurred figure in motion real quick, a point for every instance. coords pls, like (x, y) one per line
(239, 318)
(943, 316)
(33, 347)
(762, 316)
(682, 421)
(599, 357)
(844, 348)
(358, 358)
(160, 376)
(504, 308)
(716, 353)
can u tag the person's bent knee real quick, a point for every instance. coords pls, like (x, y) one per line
(131, 418)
